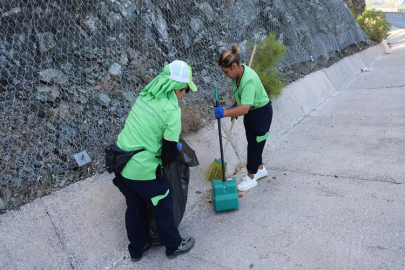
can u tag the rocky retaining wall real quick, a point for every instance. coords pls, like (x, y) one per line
(71, 70)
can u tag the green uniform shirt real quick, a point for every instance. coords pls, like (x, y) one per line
(145, 127)
(250, 91)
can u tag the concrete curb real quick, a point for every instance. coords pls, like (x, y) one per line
(82, 226)
(372, 53)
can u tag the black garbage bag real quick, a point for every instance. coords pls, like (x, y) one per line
(178, 175)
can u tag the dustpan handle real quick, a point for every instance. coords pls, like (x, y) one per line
(220, 136)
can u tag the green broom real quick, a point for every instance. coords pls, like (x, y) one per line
(214, 171)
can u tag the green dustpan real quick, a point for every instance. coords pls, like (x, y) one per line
(224, 191)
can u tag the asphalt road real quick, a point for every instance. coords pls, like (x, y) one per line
(398, 21)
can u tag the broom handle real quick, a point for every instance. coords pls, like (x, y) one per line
(229, 134)
(253, 54)
(233, 121)
(220, 136)
(222, 152)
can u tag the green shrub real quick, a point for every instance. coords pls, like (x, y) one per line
(353, 11)
(374, 23)
(268, 54)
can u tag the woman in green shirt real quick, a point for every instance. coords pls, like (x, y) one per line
(251, 100)
(154, 124)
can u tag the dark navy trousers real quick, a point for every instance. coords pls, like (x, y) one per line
(257, 123)
(137, 195)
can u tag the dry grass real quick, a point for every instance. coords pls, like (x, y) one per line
(190, 120)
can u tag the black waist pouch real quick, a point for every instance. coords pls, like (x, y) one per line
(116, 158)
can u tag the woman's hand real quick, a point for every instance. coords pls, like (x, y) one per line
(179, 146)
(234, 112)
(234, 106)
(237, 111)
(219, 112)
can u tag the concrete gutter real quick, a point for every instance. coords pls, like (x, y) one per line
(82, 226)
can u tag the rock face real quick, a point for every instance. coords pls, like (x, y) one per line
(357, 5)
(70, 72)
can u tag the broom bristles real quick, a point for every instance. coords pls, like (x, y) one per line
(214, 171)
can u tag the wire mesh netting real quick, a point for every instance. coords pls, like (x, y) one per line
(71, 69)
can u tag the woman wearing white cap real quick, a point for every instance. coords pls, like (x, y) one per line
(251, 100)
(154, 124)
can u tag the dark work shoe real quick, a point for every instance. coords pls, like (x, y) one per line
(186, 245)
(137, 259)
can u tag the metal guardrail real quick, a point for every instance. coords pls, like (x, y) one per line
(395, 10)
(395, 13)
(392, 11)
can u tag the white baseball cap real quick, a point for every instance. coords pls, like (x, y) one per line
(180, 71)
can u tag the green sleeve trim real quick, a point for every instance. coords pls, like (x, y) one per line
(156, 199)
(262, 138)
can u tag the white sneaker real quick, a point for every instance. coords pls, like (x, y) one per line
(247, 183)
(261, 173)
